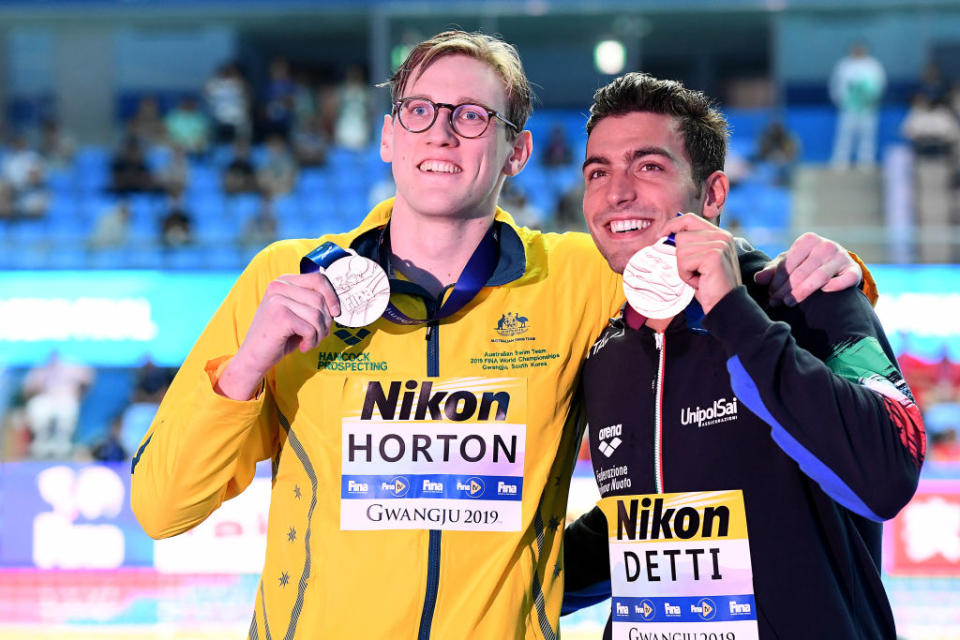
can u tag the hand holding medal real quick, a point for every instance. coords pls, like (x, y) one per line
(361, 284)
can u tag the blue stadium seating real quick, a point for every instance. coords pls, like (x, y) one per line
(106, 398)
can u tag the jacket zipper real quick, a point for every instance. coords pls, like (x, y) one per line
(659, 338)
(433, 548)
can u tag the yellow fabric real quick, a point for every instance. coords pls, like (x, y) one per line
(868, 285)
(203, 449)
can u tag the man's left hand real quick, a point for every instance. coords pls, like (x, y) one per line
(812, 263)
(706, 258)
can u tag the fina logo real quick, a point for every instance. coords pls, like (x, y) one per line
(473, 486)
(740, 608)
(398, 486)
(357, 487)
(506, 488)
(705, 609)
(512, 324)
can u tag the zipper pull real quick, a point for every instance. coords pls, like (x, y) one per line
(431, 326)
(658, 337)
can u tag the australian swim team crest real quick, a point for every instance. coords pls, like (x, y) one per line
(512, 324)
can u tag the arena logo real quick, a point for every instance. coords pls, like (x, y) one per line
(350, 336)
(609, 438)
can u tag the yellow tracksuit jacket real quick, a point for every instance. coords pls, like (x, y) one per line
(420, 474)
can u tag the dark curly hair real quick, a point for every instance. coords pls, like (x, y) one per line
(703, 127)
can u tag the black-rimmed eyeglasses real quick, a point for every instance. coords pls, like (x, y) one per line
(467, 120)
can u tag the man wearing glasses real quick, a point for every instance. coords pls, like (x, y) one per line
(421, 462)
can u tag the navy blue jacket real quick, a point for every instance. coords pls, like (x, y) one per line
(825, 443)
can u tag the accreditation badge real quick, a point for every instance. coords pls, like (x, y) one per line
(680, 564)
(434, 453)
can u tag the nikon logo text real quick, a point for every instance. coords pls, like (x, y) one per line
(657, 523)
(426, 404)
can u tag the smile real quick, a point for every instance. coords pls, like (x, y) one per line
(623, 226)
(438, 166)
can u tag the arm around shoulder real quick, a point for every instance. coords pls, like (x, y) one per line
(828, 385)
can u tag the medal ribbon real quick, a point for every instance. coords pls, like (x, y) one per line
(321, 257)
(473, 278)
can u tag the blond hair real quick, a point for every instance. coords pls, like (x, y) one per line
(501, 56)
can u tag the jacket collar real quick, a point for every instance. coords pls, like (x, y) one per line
(511, 264)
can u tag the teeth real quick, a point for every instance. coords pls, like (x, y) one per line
(437, 166)
(622, 226)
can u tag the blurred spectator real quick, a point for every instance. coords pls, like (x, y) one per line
(352, 130)
(24, 176)
(569, 215)
(188, 127)
(151, 382)
(240, 175)
(129, 171)
(953, 99)
(176, 229)
(7, 211)
(327, 105)
(515, 201)
(278, 103)
(931, 127)
(932, 84)
(56, 147)
(944, 446)
(310, 142)
(942, 421)
(737, 167)
(174, 176)
(110, 448)
(778, 147)
(856, 84)
(53, 392)
(261, 229)
(557, 153)
(278, 174)
(303, 101)
(146, 126)
(16, 435)
(112, 228)
(228, 100)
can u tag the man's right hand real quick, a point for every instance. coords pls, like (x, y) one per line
(296, 313)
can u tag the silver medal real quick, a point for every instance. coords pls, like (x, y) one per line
(363, 289)
(652, 283)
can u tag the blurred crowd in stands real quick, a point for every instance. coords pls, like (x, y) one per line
(41, 418)
(936, 387)
(932, 126)
(40, 421)
(240, 165)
